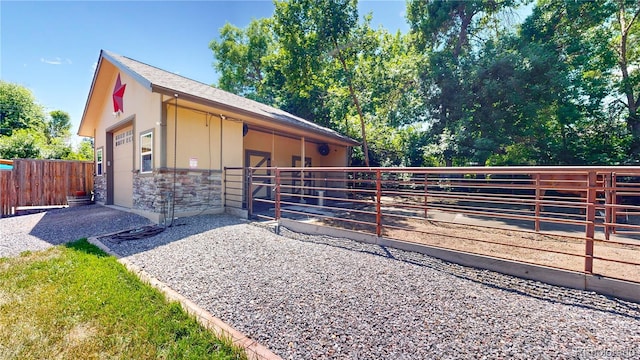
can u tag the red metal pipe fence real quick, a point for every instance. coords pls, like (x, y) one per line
(597, 207)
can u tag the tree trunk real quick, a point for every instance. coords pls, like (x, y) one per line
(633, 121)
(365, 148)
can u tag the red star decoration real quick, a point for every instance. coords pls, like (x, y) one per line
(118, 94)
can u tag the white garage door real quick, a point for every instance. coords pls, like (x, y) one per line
(122, 167)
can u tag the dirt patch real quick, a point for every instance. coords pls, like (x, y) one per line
(79, 333)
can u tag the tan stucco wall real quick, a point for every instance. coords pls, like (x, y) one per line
(283, 148)
(141, 108)
(201, 138)
(142, 111)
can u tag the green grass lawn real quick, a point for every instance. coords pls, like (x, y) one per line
(76, 302)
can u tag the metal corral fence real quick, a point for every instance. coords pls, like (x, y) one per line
(584, 219)
(35, 182)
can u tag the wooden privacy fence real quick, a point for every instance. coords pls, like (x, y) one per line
(34, 182)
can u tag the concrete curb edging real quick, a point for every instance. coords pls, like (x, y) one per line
(253, 349)
(625, 290)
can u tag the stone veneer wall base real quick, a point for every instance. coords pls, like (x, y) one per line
(196, 192)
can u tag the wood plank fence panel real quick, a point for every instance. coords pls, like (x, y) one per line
(35, 182)
(6, 193)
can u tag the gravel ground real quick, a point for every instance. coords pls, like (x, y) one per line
(39, 231)
(310, 297)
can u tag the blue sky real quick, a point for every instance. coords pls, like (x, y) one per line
(52, 47)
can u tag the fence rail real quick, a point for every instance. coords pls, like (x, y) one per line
(583, 219)
(35, 182)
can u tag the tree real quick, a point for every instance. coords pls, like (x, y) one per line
(24, 130)
(450, 24)
(56, 148)
(335, 71)
(385, 68)
(312, 35)
(297, 60)
(22, 144)
(626, 43)
(539, 96)
(443, 31)
(58, 125)
(18, 109)
(253, 64)
(584, 42)
(85, 150)
(242, 59)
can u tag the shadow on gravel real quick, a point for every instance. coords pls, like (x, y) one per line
(64, 225)
(180, 229)
(530, 288)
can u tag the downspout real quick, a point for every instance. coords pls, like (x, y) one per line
(175, 159)
(221, 137)
(222, 173)
(270, 163)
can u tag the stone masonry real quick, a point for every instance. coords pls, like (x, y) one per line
(195, 190)
(100, 188)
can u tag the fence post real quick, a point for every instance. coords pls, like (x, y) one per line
(426, 194)
(378, 200)
(537, 205)
(614, 201)
(608, 210)
(277, 204)
(250, 191)
(590, 221)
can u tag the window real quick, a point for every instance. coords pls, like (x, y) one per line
(146, 152)
(99, 162)
(124, 138)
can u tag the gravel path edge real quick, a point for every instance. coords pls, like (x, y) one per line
(252, 348)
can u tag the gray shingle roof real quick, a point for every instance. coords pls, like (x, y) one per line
(152, 76)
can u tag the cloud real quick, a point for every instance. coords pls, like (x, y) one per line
(94, 66)
(55, 61)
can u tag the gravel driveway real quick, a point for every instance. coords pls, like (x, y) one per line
(42, 230)
(310, 297)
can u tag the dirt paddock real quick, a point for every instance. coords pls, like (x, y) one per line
(540, 249)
